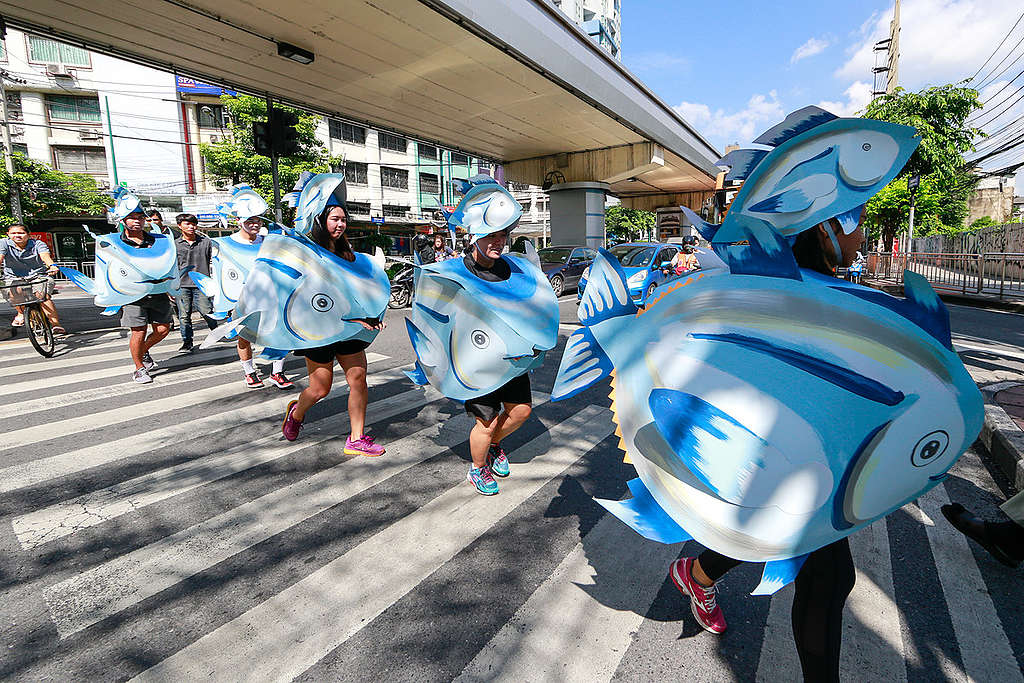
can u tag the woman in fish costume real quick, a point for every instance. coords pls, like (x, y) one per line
(769, 408)
(480, 323)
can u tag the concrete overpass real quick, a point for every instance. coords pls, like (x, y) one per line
(515, 81)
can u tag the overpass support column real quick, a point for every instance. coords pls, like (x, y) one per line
(577, 213)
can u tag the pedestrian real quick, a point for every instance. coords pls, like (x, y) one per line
(328, 232)
(156, 223)
(684, 261)
(195, 250)
(442, 251)
(24, 257)
(152, 310)
(1003, 540)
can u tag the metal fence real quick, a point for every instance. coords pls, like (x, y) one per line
(990, 274)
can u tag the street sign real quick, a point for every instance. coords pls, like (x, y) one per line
(377, 219)
(913, 182)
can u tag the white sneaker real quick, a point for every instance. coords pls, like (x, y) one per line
(148, 362)
(141, 376)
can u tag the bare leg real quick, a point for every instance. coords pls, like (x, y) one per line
(510, 419)
(51, 311)
(136, 344)
(244, 349)
(354, 365)
(321, 375)
(160, 330)
(480, 439)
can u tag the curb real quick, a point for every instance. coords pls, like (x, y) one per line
(1001, 436)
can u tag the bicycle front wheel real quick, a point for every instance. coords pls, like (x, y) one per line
(40, 332)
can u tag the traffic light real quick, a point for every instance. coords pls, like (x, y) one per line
(261, 138)
(278, 134)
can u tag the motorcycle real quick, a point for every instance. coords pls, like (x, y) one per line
(401, 285)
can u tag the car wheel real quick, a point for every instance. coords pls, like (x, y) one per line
(558, 284)
(650, 291)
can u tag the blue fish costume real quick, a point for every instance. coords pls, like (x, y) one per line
(771, 410)
(123, 273)
(232, 260)
(299, 295)
(472, 336)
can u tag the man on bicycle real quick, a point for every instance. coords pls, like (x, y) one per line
(23, 257)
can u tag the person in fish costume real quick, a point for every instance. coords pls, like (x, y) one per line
(136, 273)
(480, 323)
(233, 258)
(769, 408)
(311, 293)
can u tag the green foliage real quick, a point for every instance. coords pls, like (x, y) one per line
(46, 192)
(628, 225)
(369, 242)
(234, 158)
(940, 115)
(983, 222)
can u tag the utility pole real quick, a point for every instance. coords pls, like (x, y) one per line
(8, 151)
(912, 184)
(887, 58)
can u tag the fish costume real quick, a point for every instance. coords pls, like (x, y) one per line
(232, 260)
(771, 410)
(472, 336)
(125, 274)
(299, 295)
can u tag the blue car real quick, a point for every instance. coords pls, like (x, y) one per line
(645, 264)
(563, 265)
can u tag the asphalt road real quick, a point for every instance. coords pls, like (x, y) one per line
(167, 532)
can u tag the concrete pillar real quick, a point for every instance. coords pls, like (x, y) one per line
(577, 213)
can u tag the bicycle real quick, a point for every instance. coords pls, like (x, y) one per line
(30, 293)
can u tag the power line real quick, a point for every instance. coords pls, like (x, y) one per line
(978, 124)
(1012, 50)
(1005, 86)
(997, 47)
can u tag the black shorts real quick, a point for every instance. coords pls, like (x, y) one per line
(487, 407)
(326, 354)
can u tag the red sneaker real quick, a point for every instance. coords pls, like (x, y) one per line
(702, 599)
(280, 381)
(253, 381)
(290, 427)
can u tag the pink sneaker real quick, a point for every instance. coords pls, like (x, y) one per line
(702, 600)
(290, 427)
(364, 445)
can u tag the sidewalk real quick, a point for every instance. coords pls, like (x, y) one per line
(1003, 431)
(1011, 304)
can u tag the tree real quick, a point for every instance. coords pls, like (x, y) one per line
(983, 222)
(234, 158)
(46, 192)
(627, 225)
(940, 115)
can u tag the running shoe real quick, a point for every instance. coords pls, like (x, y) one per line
(481, 478)
(364, 445)
(280, 381)
(253, 381)
(186, 346)
(497, 461)
(141, 376)
(290, 427)
(703, 602)
(148, 362)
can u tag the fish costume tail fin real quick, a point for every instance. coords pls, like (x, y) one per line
(204, 283)
(643, 515)
(80, 279)
(231, 330)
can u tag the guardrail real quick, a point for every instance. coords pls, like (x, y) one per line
(991, 274)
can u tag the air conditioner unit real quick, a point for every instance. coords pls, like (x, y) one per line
(88, 135)
(59, 71)
(102, 185)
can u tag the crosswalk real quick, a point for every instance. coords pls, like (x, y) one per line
(168, 532)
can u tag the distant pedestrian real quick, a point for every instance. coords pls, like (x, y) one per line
(442, 251)
(156, 223)
(24, 257)
(195, 251)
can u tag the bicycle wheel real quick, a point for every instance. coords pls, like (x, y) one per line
(40, 332)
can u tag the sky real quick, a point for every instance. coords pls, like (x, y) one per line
(732, 70)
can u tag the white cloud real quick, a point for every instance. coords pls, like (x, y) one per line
(812, 47)
(857, 95)
(723, 127)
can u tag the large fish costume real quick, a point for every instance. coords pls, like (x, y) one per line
(123, 273)
(232, 260)
(472, 336)
(299, 295)
(770, 410)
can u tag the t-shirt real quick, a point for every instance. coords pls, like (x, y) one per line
(193, 257)
(23, 262)
(236, 236)
(499, 271)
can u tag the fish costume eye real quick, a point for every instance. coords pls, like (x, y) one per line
(232, 274)
(322, 303)
(122, 272)
(930, 447)
(480, 339)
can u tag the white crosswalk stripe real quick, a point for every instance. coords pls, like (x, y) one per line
(107, 557)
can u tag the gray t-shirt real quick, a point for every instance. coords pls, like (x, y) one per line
(23, 262)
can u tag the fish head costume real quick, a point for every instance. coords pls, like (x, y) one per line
(770, 410)
(243, 203)
(124, 273)
(471, 335)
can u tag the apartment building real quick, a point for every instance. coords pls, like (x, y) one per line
(600, 19)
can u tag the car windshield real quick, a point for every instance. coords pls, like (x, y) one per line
(633, 255)
(554, 254)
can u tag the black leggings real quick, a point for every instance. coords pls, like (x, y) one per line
(822, 586)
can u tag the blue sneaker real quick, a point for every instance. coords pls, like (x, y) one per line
(483, 481)
(497, 461)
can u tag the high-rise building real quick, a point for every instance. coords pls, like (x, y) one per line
(600, 19)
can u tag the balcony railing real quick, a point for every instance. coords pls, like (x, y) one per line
(990, 274)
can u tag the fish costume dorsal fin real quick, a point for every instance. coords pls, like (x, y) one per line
(796, 123)
(741, 162)
(706, 230)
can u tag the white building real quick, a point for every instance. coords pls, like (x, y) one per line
(600, 19)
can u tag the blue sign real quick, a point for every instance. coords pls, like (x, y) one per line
(184, 84)
(377, 219)
(208, 216)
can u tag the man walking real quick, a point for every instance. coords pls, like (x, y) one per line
(151, 310)
(194, 253)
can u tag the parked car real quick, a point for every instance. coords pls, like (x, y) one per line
(646, 266)
(563, 265)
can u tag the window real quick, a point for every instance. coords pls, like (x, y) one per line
(427, 151)
(339, 130)
(80, 159)
(395, 211)
(518, 187)
(459, 159)
(3, 51)
(429, 183)
(211, 116)
(395, 143)
(19, 148)
(355, 173)
(46, 51)
(483, 166)
(71, 108)
(358, 208)
(395, 178)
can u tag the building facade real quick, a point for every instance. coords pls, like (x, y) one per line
(600, 19)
